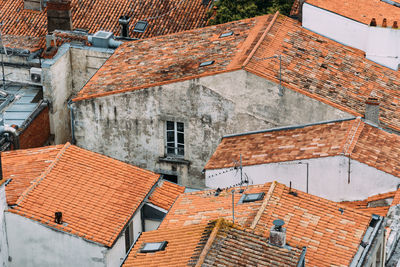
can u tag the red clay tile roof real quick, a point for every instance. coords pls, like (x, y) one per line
(311, 64)
(164, 17)
(332, 237)
(361, 10)
(97, 195)
(218, 243)
(165, 194)
(355, 138)
(166, 59)
(396, 199)
(31, 44)
(368, 206)
(24, 166)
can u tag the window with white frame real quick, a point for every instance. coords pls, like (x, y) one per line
(175, 138)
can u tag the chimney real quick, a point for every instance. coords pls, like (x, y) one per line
(59, 15)
(277, 234)
(384, 23)
(124, 22)
(58, 217)
(372, 109)
(33, 4)
(395, 26)
(373, 22)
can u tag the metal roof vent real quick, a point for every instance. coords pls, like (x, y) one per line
(277, 235)
(124, 22)
(58, 217)
(102, 38)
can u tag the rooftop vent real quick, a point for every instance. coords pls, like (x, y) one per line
(103, 39)
(141, 26)
(124, 22)
(277, 235)
(226, 34)
(153, 247)
(372, 109)
(218, 191)
(207, 63)
(58, 217)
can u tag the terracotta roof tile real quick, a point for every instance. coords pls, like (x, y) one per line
(355, 138)
(370, 206)
(24, 166)
(361, 10)
(396, 199)
(176, 57)
(97, 195)
(332, 237)
(165, 194)
(311, 64)
(164, 17)
(230, 245)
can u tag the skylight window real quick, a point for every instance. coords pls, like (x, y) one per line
(251, 197)
(206, 63)
(226, 34)
(141, 26)
(153, 247)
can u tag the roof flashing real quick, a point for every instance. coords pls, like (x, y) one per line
(153, 247)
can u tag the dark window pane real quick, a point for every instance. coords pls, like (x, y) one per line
(170, 150)
(181, 150)
(179, 126)
(170, 125)
(170, 137)
(180, 138)
(171, 178)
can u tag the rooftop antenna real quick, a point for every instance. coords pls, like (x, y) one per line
(2, 59)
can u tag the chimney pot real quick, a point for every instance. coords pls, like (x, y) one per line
(59, 15)
(373, 22)
(277, 234)
(384, 23)
(58, 217)
(372, 109)
(124, 22)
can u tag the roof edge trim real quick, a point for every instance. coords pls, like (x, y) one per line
(299, 126)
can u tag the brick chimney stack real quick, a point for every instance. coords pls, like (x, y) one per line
(59, 15)
(372, 109)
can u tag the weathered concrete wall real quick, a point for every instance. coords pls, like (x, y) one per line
(131, 126)
(33, 244)
(328, 177)
(17, 69)
(64, 75)
(3, 236)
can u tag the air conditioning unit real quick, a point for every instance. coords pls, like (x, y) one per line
(36, 75)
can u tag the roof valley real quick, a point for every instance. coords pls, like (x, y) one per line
(43, 175)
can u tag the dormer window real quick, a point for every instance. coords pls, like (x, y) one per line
(251, 197)
(153, 247)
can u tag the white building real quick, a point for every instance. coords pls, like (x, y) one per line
(368, 25)
(338, 160)
(66, 206)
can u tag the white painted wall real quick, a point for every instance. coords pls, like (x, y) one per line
(43, 246)
(151, 225)
(3, 236)
(380, 45)
(328, 177)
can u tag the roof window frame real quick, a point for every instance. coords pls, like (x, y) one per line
(206, 63)
(143, 28)
(161, 246)
(245, 197)
(226, 34)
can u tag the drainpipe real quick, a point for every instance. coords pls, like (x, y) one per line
(73, 140)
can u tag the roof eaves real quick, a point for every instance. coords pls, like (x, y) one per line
(289, 127)
(43, 175)
(76, 99)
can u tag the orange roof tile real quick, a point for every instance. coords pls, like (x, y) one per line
(165, 194)
(311, 64)
(163, 17)
(396, 199)
(24, 166)
(361, 10)
(97, 195)
(355, 138)
(176, 57)
(365, 205)
(221, 243)
(332, 237)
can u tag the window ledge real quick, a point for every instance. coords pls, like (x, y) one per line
(172, 159)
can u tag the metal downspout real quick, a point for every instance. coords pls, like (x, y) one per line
(72, 119)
